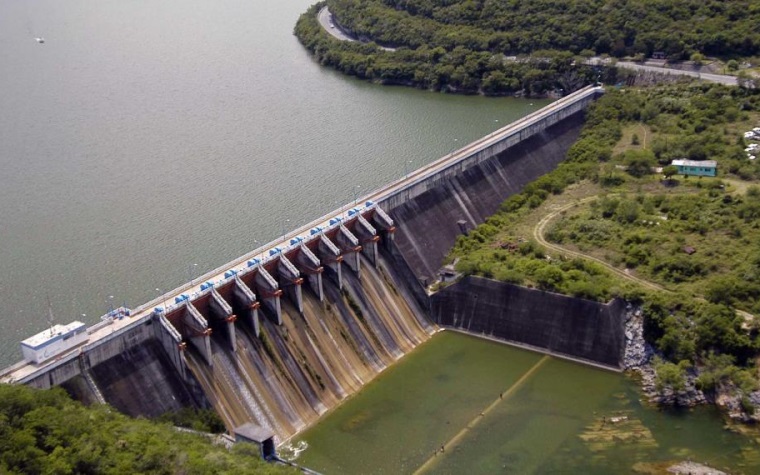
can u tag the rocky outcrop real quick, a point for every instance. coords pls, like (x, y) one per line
(737, 406)
(638, 358)
(638, 352)
(693, 468)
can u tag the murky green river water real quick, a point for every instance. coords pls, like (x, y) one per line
(539, 415)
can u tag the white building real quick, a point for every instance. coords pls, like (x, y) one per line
(53, 341)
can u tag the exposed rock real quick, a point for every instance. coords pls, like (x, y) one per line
(694, 468)
(638, 358)
(638, 353)
(688, 397)
(729, 399)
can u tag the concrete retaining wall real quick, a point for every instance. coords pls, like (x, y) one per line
(568, 326)
(527, 127)
(92, 354)
(427, 224)
(116, 343)
(64, 370)
(142, 381)
(140, 370)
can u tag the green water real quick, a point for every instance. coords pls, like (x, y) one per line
(539, 415)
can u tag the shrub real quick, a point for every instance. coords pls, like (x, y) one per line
(669, 375)
(638, 162)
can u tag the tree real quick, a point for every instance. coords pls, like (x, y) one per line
(639, 162)
(549, 277)
(669, 171)
(48, 432)
(627, 211)
(697, 58)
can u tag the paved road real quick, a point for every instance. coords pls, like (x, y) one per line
(717, 78)
(325, 19)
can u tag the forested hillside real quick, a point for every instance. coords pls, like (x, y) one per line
(470, 46)
(459, 69)
(46, 432)
(616, 27)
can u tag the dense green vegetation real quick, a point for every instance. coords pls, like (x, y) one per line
(634, 219)
(616, 27)
(45, 432)
(502, 47)
(201, 420)
(458, 69)
(651, 232)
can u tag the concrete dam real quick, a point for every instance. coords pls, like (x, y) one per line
(284, 333)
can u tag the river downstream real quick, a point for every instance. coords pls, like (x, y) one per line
(459, 404)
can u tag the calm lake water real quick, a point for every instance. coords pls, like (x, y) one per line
(148, 142)
(499, 409)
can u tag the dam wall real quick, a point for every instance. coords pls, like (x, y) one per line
(141, 370)
(308, 361)
(431, 213)
(266, 339)
(557, 324)
(486, 149)
(92, 354)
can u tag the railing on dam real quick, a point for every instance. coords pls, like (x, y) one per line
(486, 147)
(386, 197)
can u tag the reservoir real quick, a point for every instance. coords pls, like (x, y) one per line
(144, 144)
(499, 409)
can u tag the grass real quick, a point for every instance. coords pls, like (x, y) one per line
(642, 132)
(707, 213)
(522, 229)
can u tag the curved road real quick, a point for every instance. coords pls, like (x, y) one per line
(538, 235)
(709, 77)
(326, 20)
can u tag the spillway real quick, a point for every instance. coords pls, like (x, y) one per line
(283, 334)
(291, 374)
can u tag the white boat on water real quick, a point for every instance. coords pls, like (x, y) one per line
(39, 40)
